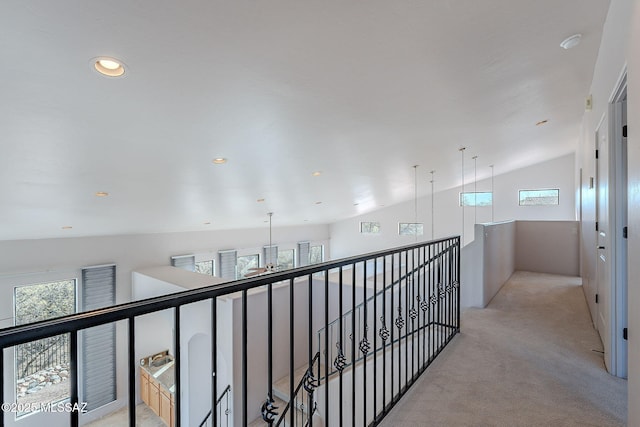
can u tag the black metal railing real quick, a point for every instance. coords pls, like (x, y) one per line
(222, 408)
(275, 319)
(38, 355)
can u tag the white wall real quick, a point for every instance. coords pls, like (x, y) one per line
(40, 260)
(346, 239)
(620, 46)
(633, 104)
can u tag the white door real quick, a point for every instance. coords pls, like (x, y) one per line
(603, 241)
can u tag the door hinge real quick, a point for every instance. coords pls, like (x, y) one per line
(596, 154)
(596, 298)
(596, 225)
(625, 333)
(624, 131)
(625, 232)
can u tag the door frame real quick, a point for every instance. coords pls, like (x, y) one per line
(617, 114)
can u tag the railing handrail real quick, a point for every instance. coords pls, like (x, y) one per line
(297, 389)
(226, 390)
(20, 334)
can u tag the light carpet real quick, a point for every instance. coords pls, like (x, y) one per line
(531, 358)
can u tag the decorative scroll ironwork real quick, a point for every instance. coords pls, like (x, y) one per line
(413, 313)
(365, 346)
(434, 299)
(424, 306)
(384, 332)
(400, 320)
(340, 361)
(310, 383)
(441, 291)
(268, 410)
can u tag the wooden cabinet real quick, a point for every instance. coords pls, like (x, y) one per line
(157, 397)
(154, 396)
(144, 386)
(166, 407)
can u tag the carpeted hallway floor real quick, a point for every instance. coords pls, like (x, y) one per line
(531, 358)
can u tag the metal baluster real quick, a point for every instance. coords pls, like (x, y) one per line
(244, 359)
(178, 363)
(132, 372)
(214, 361)
(326, 343)
(73, 392)
(310, 348)
(340, 351)
(364, 344)
(353, 340)
(375, 340)
(291, 348)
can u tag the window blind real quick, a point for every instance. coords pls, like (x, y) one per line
(270, 255)
(99, 342)
(186, 262)
(303, 254)
(228, 260)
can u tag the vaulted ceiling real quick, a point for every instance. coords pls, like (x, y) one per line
(358, 91)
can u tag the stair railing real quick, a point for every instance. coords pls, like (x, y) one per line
(220, 412)
(305, 413)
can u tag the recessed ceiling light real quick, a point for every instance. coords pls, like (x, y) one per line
(541, 122)
(67, 227)
(570, 42)
(318, 203)
(317, 173)
(260, 200)
(219, 160)
(110, 67)
(102, 194)
(207, 222)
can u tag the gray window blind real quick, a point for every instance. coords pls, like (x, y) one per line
(99, 342)
(228, 260)
(303, 254)
(270, 255)
(186, 262)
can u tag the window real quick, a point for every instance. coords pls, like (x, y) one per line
(246, 263)
(369, 227)
(99, 342)
(410, 229)
(205, 267)
(480, 198)
(303, 253)
(186, 262)
(285, 259)
(228, 260)
(316, 254)
(42, 366)
(539, 197)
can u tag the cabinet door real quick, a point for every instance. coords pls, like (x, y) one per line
(154, 397)
(144, 386)
(165, 407)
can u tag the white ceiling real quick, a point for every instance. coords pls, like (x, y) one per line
(361, 91)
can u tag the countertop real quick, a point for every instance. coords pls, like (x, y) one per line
(164, 375)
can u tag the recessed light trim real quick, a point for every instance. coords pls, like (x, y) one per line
(109, 67)
(102, 194)
(219, 161)
(316, 173)
(66, 227)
